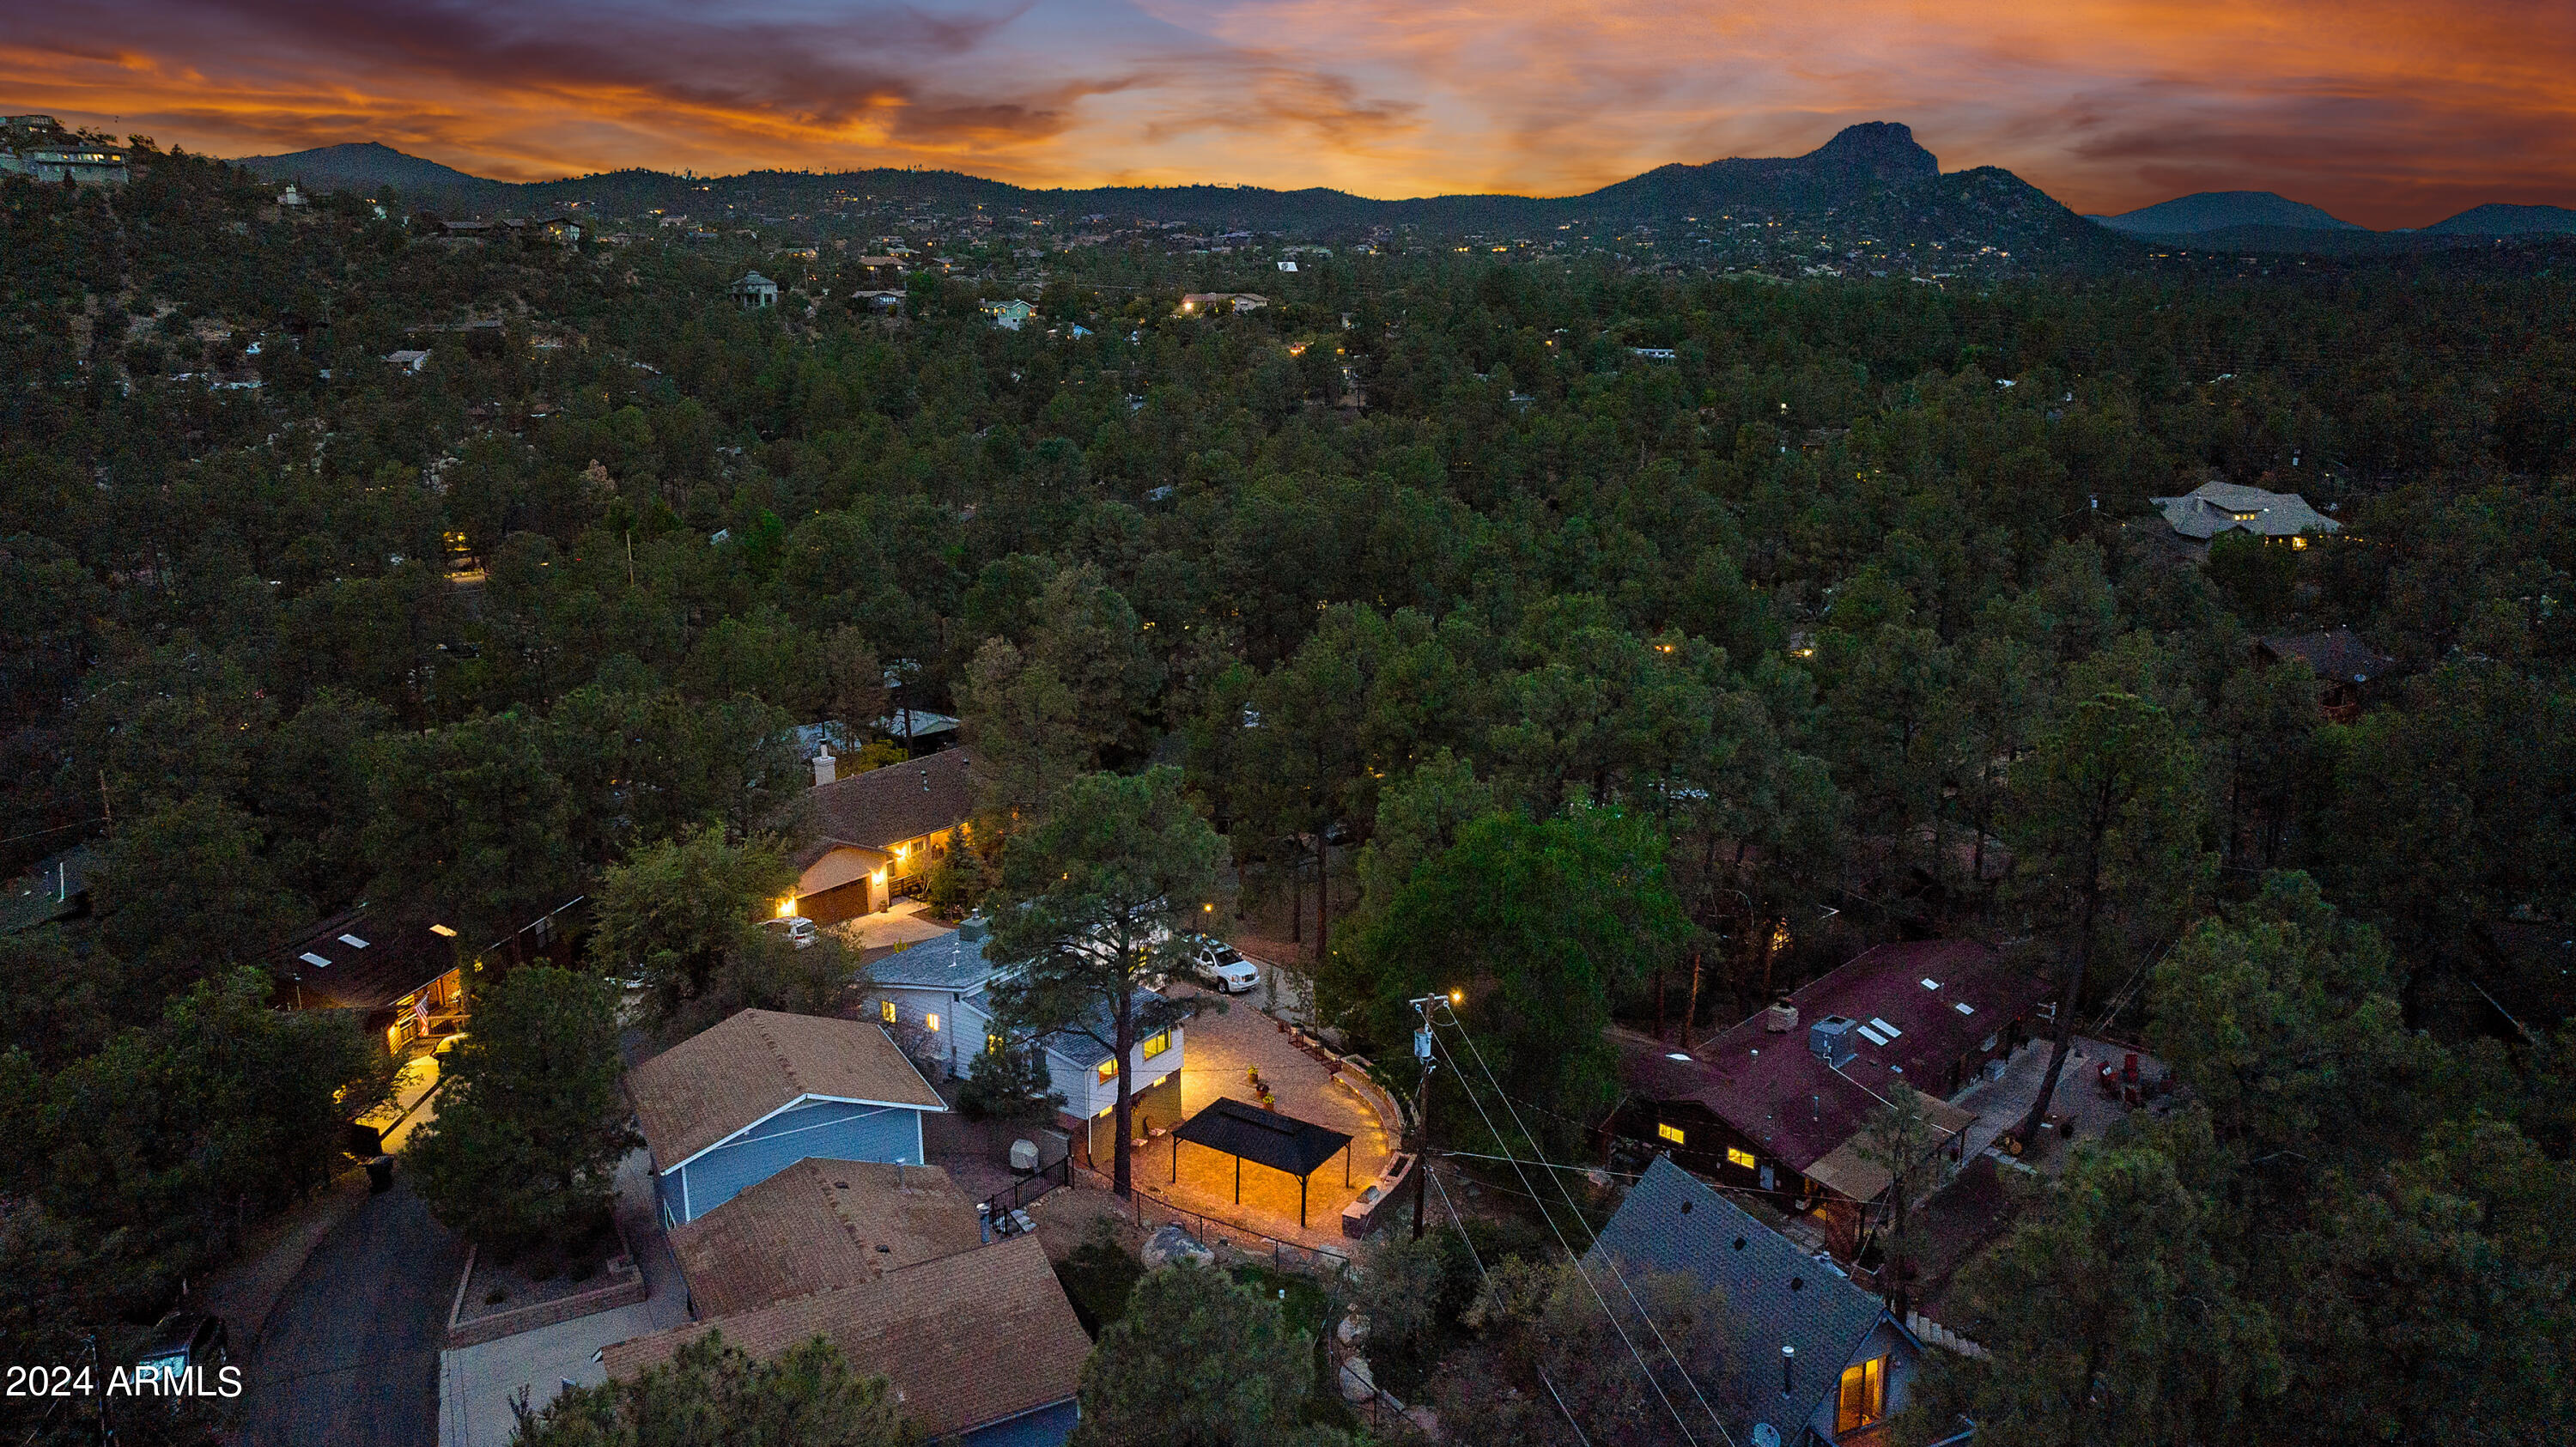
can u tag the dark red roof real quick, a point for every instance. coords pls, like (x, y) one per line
(1774, 1090)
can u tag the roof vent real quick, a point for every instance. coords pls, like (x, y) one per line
(1781, 1018)
(1830, 1040)
(1739, 1243)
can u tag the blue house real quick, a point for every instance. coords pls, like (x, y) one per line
(1819, 1362)
(741, 1102)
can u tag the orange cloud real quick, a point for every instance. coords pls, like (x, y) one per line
(2386, 113)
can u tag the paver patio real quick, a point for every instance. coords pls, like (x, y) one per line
(1219, 1049)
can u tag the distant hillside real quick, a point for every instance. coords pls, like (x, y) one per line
(2502, 219)
(2220, 210)
(368, 166)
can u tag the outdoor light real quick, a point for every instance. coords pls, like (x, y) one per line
(786, 908)
(1457, 997)
(440, 929)
(1207, 909)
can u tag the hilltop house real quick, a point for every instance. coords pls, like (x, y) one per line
(872, 836)
(1817, 1362)
(39, 147)
(934, 997)
(1207, 303)
(1009, 315)
(1779, 1103)
(2217, 507)
(755, 291)
(735, 1105)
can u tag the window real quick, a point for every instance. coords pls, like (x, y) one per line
(1670, 1132)
(1157, 1045)
(992, 1043)
(1109, 1069)
(885, 1009)
(1863, 1400)
(931, 1020)
(1735, 1157)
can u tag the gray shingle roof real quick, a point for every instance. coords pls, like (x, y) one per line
(1776, 1295)
(2214, 507)
(950, 962)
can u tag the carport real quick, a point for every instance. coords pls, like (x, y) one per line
(1264, 1137)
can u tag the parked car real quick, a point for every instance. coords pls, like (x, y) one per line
(184, 1339)
(1220, 966)
(800, 931)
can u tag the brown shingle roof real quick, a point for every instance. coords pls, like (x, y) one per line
(1774, 1090)
(884, 807)
(821, 1224)
(717, 1082)
(967, 1339)
(2337, 654)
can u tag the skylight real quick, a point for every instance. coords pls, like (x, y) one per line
(313, 959)
(1965, 1008)
(353, 942)
(1931, 984)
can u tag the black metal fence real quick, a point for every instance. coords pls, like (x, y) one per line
(997, 1207)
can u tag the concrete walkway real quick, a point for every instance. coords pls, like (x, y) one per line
(476, 1384)
(902, 924)
(1217, 1050)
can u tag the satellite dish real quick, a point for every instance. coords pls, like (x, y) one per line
(1765, 1435)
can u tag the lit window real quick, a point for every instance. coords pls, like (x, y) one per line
(1669, 1132)
(1157, 1045)
(1108, 1070)
(1863, 1400)
(1735, 1157)
(885, 1008)
(930, 1020)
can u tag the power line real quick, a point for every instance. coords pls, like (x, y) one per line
(1608, 1258)
(1570, 1254)
(1482, 1275)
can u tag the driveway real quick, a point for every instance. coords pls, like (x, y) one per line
(476, 1383)
(350, 1354)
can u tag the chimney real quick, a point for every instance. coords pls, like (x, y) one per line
(1781, 1018)
(1788, 1370)
(1830, 1040)
(826, 768)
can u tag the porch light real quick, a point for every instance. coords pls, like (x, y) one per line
(787, 907)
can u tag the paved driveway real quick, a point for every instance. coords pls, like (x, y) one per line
(350, 1356)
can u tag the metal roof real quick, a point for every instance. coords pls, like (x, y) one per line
(1263, 1137)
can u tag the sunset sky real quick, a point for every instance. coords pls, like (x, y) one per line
(2386, 113)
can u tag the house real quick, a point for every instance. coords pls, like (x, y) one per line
(817, 1225)
(1009, 315)
(292, 197)
(935, 997)
(1779, 1103)
(981, 1346)
(410, 359)
(755, 291)
(1655, 354)
(1208, 303)
(55, 888)
(875, 835)
(2217, 507)
(1817, 1361)
(2343, 664)
(403, 971)
(38, 146)
(736, 1104)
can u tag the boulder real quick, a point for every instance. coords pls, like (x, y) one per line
(1170, 1244)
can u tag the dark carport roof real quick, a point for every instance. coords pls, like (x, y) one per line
(1263, 1137)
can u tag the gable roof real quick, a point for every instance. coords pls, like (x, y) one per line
(884, 806)
(967, 1340)
(1776, 1295)
(818, 1224)
(736, 1074)
(1777, 1092)
(2337, 654)
(2214, 507)
(951, 961)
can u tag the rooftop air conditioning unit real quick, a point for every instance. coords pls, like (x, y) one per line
(1830, 1040)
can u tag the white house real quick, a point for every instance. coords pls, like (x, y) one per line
(934, 997)
(755, 291)
(738, 1103)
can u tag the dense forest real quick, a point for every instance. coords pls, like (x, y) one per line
(1636, 688)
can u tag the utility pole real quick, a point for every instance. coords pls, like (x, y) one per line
(1422, 1100)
